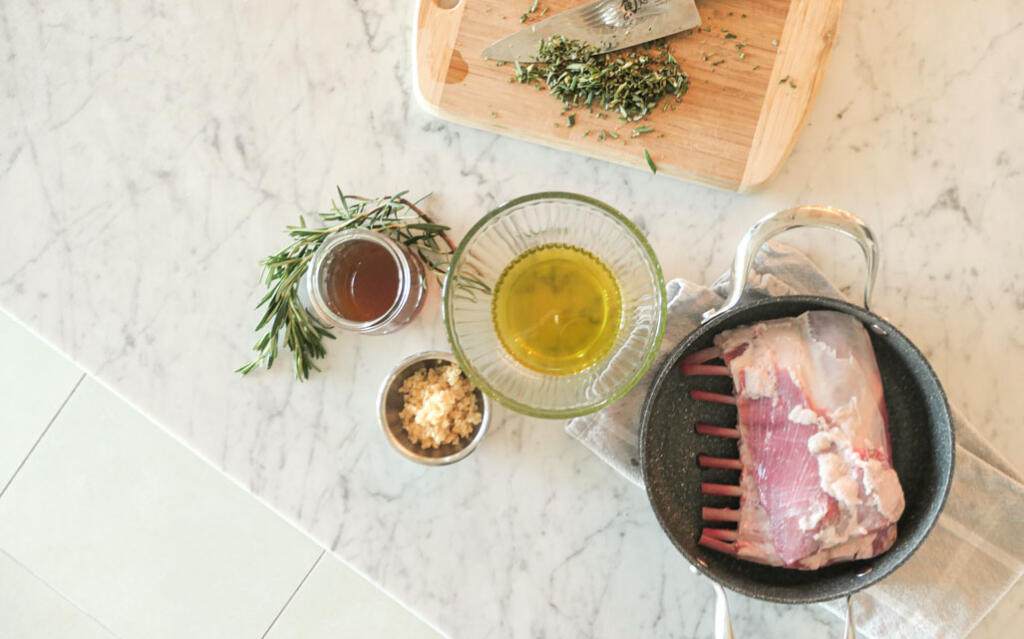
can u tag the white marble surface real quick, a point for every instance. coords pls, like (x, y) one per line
(150, 153)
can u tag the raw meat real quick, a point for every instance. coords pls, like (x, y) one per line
(817, 484)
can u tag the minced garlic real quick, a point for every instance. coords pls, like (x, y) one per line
(440, 406)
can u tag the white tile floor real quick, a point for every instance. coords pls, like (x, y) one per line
(109, 527)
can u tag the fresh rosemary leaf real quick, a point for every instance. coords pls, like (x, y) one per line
(650, 162)
(425, 226)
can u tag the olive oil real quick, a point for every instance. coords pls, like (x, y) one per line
(557, 309)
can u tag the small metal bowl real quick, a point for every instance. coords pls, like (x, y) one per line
(391, 402)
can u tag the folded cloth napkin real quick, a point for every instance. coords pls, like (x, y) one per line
(972, 557)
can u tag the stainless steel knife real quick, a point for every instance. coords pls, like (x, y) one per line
(606, 24)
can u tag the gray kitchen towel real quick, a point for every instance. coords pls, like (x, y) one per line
(970, 560)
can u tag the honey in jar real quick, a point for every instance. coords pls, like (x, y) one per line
(363, 281)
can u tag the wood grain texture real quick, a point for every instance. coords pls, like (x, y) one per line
(784, 110)
(732, 130)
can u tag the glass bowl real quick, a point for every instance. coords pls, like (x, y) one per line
(507, 232)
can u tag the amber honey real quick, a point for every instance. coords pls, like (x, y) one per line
(362, 281)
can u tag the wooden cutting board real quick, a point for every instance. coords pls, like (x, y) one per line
(733, 129)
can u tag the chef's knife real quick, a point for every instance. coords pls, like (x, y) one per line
(609, 25)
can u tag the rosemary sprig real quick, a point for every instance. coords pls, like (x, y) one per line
(285, 320)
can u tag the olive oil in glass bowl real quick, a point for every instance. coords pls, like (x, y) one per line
(557, 309)
(566, 309)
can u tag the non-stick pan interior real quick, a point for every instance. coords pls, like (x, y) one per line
(919, 425)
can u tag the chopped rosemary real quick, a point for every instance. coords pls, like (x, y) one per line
(640, 130)
(650, 162)
(630, 83)
(532, 9)
(570, 120)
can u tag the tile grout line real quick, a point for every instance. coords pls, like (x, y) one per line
(323, 551)
(60, 594)
(41, 435)
(174, 436)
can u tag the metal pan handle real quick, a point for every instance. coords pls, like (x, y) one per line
(850, 632)
(723, 620)
(772, 224)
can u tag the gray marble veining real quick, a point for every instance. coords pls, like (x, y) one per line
(150, 154)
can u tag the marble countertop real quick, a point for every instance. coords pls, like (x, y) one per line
(150, 154)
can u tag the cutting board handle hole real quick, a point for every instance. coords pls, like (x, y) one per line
(447, 4)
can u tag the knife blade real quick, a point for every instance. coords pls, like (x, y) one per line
(609, 25)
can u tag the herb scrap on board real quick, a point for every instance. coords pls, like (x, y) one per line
(650, 162)
(581, 76)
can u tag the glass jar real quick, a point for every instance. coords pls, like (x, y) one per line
(340, 257)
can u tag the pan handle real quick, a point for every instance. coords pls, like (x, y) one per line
(772, 224)
(723, 621)
(850, 632)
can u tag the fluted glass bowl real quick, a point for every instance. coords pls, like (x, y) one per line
(504, 234)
